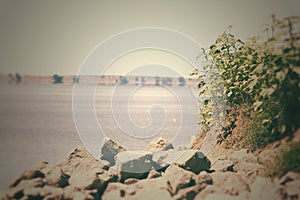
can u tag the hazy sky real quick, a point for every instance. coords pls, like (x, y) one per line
(45, 37)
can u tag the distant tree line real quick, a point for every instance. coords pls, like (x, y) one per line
(17, 78)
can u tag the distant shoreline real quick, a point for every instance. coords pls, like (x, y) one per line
(101, 80)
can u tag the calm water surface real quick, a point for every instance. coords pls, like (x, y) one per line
(36, 121)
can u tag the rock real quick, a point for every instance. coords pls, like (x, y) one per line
(76, 194)
(159, 144)
(203, 179)
(90, 179)
(41, 193)
(80, 159)
(244, 155)
(178, 178)
(133, 164)
(153, 174)
(227, 183)
(36, 182)
(130, 181)
(180, 148)
(292, 189)
(162, 159)
(221, 197)
(194, 161)
(250, 170)
(239, 155)
(290, 176)
(264, 188)
(296, 137)
(36, 172)
(17, 191)
(109, 150)
(175, 183)
(118, 191)
(148, 189)
(222, 157)
(56, 177)
(222, 166)
(188, 193)
(268, 157)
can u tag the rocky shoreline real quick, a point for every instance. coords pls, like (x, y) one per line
(158, 172)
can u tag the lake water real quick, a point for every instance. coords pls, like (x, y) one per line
(37, 121)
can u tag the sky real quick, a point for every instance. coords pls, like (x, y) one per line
(54, 37)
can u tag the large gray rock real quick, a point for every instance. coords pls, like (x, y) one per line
(133, 164)
(110, 149)
(159, 144)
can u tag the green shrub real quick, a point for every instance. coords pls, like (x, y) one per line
(261, 77)
(258, 135)
(290, 158)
